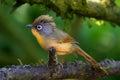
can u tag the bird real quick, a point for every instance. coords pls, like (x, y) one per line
(48, 35)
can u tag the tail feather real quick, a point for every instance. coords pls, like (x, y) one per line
(92, 61)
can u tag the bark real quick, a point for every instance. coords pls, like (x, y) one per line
(72, 70)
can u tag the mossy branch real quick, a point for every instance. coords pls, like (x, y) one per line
(99, 10)
(70, 70)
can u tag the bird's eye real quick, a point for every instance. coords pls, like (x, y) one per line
(39, 27)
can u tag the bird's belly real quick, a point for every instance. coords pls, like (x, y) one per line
(61, 48)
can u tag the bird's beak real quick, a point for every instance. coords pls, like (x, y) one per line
(30, 25)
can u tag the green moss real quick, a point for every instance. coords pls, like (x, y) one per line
(60, 4)
(75, 4)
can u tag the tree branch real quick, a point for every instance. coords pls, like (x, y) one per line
(101, 10)
(70, 70)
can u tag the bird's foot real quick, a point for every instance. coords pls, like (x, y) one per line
(52, 57)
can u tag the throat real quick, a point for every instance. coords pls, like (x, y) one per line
(38, 37)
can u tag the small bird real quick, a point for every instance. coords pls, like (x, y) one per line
(47, 35)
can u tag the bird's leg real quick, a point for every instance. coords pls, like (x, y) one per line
(53, 62)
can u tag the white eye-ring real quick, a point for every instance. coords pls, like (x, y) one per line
(39, 27)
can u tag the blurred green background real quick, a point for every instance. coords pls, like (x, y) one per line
(99, 38)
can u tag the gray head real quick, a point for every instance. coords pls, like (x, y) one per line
(43, 24)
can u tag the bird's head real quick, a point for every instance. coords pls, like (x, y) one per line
(44, 24)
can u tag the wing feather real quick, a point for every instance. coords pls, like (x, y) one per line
(63, 37)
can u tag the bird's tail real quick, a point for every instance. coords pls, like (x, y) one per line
(91, 61)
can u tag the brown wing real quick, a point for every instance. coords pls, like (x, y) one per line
(63, 37)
